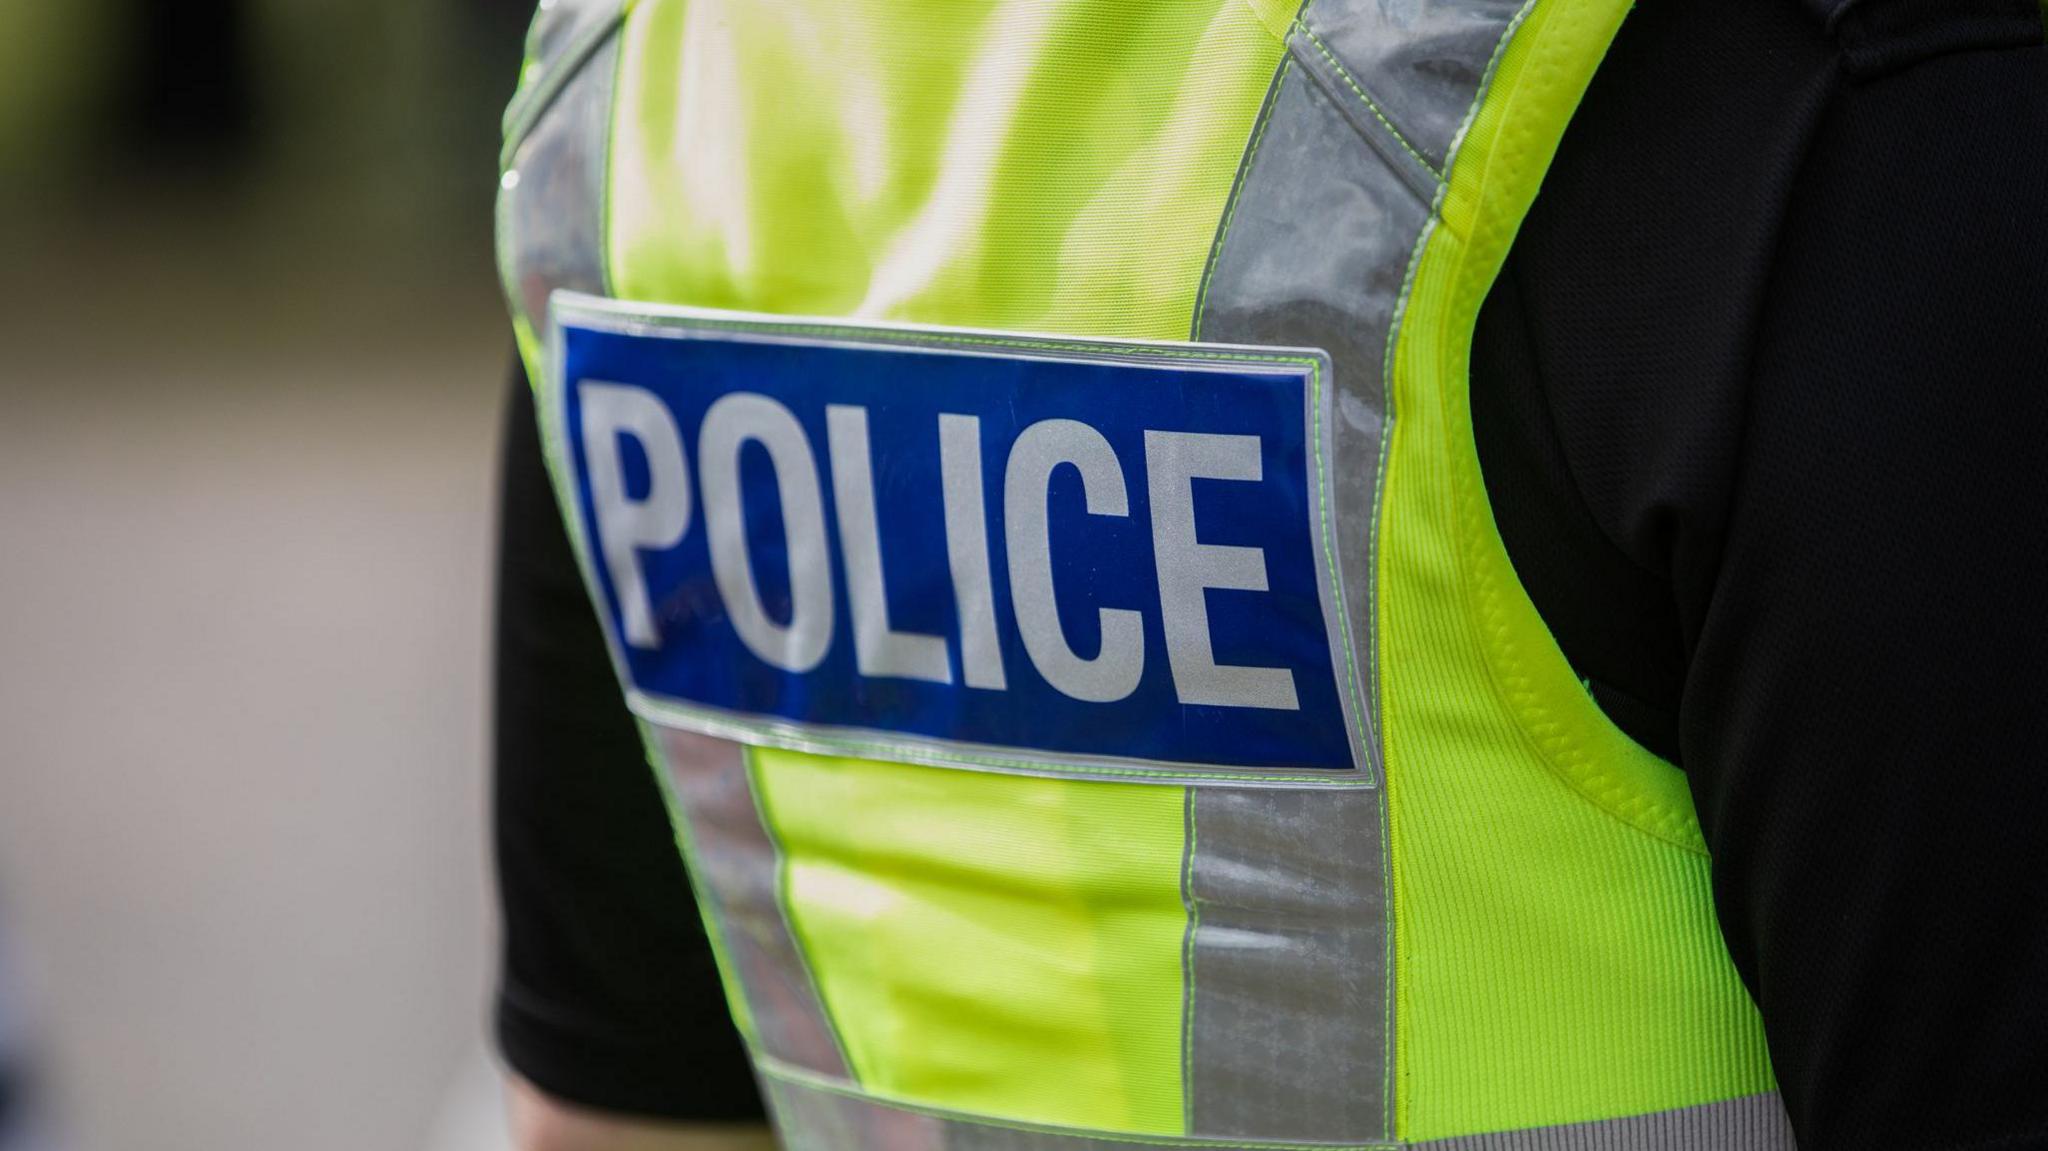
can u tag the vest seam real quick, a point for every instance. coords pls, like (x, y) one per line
(1188, 942)
(1237, 183)
(529, 105)
(1563, 757)
(1372, 697)
(1396, 327)
(685, 836)
(1397, 1111)
(751, 766)
(1371, 106)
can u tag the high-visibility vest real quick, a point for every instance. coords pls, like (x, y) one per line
(1020, 450)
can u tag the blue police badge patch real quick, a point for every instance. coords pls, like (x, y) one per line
(961, 548)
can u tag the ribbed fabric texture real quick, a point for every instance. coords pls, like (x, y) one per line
(1557, 953)
(1776, 354)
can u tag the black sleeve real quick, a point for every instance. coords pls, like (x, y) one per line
(1866, 716)
(1760, 400)
(608, 997)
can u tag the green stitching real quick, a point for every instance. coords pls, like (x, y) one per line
(529, 105)
(708, 904)
(1394, 325)
(1345, 75)
(798, 1077)
(751, 767)
(1328, 509)
(1394, 331)
(1500, 49)
(1187, 1019)
(1570, 763)
(1236, 192)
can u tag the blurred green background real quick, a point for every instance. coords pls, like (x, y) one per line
(253, 140)
(251, 367)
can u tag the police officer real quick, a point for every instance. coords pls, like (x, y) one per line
(1209, 574)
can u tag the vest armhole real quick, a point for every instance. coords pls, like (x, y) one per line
(1493, 179)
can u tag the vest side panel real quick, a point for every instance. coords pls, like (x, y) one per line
(1560, 961)
(1315, 249)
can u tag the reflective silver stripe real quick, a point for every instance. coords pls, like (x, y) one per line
(814, 1117)
(738, 869)
(550, 237)
(551, 195)
(1752, 1123)
(1314, 253)
(1289, 1015)
(1312, 58)
(559, 25)
(562, 36)
(1417, 65)
(1289, 967)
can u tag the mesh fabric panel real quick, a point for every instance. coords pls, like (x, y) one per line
(1559, 960)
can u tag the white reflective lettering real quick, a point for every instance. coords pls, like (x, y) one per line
(732, 422)
(878, 649)
(981, 653)
(1188, 568)
(1042, 448)
(625, 527)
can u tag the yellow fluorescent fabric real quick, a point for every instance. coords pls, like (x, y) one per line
(992, 944)
(1558, 957)
(1038, 165)
(1004, 945)
(1012, 946)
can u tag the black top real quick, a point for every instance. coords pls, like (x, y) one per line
(1758, 401)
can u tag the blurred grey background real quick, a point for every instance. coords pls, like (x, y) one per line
(251, 358)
